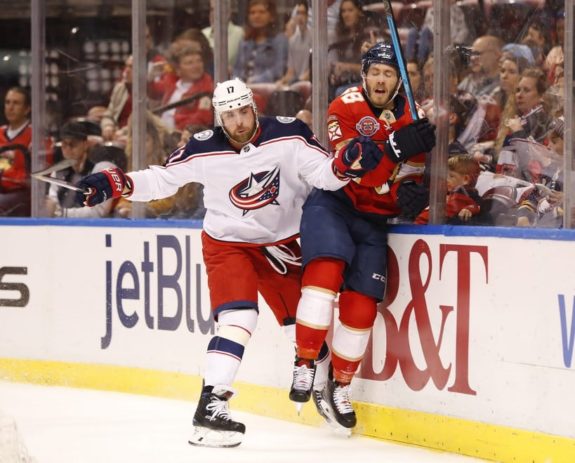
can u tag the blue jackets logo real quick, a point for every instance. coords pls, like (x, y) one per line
(257, 191)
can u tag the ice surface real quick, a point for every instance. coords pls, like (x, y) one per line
(67, 425)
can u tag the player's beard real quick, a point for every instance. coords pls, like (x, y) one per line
(378, 100)
(244, 137)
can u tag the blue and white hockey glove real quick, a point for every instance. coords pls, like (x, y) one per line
(99, 187)
(357, 158)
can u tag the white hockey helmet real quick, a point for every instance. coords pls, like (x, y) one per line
(232, 94)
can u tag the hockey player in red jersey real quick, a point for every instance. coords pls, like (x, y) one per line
(344, 232)
(256, 174)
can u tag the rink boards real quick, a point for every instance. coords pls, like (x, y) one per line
(472, 352)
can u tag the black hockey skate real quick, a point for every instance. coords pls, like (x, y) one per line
(333, 404)
(303, 374)
(337, 397)
(213, 425)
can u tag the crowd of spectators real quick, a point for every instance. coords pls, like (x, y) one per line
(505, 105)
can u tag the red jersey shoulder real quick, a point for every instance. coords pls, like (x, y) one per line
(349, 115)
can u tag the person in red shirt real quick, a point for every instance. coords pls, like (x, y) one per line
(15, 143)
(193, 81)
(463, 201)
(344, 233)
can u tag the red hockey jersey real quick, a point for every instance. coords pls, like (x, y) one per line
(350, 116)
(15, 162)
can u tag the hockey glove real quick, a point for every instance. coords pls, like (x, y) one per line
(356, 158)
(99, 187)
(412, 198)
(417, 137)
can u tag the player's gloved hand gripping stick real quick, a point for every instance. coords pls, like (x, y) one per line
(99, 187)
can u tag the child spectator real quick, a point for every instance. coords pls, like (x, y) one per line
(462, 196)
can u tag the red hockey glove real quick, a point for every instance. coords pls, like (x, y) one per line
(99, 187)
(356, 158)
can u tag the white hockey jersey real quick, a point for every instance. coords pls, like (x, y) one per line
(251, 196)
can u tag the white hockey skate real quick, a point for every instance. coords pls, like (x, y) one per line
(213, 425)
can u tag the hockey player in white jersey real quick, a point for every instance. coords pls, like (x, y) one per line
(256, 173)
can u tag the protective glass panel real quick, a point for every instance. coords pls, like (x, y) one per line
(15, 133)
(506, 112)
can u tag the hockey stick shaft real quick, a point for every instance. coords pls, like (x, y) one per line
(183, 102)
(63, 164)
(57, 181)
(400, 60)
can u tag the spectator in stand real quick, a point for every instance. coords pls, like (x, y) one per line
(166, 75)
(15, 144)
(415, 73)
(538, 40)
(299, 48)
(262, 56)
(510, 70)
(120, 104)
(157, 66)
(352, 30)
(427, 98)
(532, 119)
(61, 202)
(420, 41)
(484, 66)
(235, 34)
(109, 128)
(543, 205)
(197, 39)
(332, 7)
(193, 81)
(463, 201)
(481, 82)
(555, 57)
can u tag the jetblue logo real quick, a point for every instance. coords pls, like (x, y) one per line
(129, 290)
(567, 329)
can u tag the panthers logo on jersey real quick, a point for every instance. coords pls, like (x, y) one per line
(257, 191)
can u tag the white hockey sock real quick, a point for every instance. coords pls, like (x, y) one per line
(226, 349)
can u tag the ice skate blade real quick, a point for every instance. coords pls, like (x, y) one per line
(327, 413)
(205, 437)
(298, 407)
(339, 430)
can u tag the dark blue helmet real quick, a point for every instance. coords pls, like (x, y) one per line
(380, 53)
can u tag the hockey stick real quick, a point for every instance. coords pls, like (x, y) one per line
(63, 164)
(59, 182)
(400, 60)
(183, 102)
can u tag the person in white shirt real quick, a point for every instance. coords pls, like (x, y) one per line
(235, 35)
